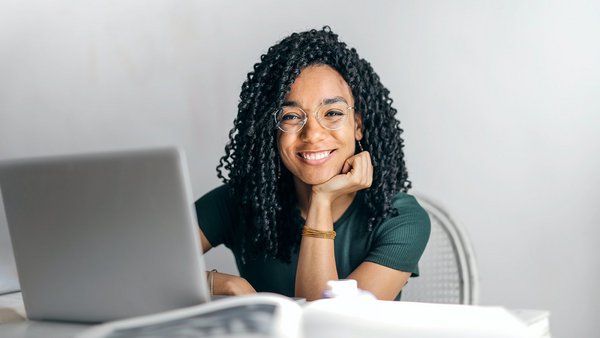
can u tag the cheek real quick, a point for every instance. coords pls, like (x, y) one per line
(286, 140)
(283, 144)
(348, 140)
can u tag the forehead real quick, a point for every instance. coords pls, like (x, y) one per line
(317, 83)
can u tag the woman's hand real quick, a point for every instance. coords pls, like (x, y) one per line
(230, 285)
(357, 174)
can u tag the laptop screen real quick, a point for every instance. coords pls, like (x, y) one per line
(104, 236)
(8, 271)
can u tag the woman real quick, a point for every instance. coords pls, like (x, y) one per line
(316, 184)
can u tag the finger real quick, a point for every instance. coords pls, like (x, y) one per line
(358, 168)
(361, 171)
(370, 168)
(368, 157)
(348, 165)
(370, 174)
(367, 169)
(359, 165)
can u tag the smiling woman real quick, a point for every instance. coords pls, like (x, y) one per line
(315, 185)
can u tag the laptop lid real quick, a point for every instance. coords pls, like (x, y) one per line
(106, 236)
(8, 271)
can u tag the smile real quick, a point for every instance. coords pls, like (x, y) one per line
(315, 157)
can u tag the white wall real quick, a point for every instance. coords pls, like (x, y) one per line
(499, 100)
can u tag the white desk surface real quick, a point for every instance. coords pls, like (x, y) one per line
(14, 323)
(36, 329)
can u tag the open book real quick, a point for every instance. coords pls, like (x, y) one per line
(270, 315)
(260, 315)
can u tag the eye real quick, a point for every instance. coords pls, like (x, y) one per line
(291, 117)
(333, 113)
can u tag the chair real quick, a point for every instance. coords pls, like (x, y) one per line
(448, 273)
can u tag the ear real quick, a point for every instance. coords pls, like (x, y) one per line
(358, 126)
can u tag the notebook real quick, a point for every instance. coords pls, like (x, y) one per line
(104, 236)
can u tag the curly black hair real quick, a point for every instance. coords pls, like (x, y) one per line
(260, 183)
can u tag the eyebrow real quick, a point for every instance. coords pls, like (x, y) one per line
(335, 100)
(331, 100)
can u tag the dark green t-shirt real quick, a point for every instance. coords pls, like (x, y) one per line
(398, 242)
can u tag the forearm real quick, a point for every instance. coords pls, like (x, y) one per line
(316, 259)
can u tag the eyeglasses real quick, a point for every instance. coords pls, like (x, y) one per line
(291, 119)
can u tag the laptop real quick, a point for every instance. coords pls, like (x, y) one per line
(8, 271)
(105, 236)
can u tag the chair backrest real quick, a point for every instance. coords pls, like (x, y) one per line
(448, 272)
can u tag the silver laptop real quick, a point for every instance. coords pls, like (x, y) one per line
(106, 236)
(8, 271)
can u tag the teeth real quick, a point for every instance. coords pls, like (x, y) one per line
(315, 156)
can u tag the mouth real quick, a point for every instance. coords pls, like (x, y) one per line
(315, 157)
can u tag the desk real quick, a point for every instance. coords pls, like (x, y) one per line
(13, 322)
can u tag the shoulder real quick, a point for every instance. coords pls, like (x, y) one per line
(219, 194)
(406, 203)
(216, 214)
(409, 221)
(218, 202)
(400, 240)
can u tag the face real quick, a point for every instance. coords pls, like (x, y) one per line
(316, 154)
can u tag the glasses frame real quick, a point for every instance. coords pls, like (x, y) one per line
(316, 116)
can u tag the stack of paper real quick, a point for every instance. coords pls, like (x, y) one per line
(350, 318)
(537, 321)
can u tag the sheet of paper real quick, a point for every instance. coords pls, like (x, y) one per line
(11, 308)
(350, 318)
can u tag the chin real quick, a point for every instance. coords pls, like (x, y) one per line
(314, 180)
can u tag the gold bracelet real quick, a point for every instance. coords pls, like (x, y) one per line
(211, 280)
(311, 232)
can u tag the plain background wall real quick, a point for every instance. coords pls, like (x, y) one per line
(499, 101)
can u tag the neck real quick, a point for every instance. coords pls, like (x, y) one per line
(304, 193)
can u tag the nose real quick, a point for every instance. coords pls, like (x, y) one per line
(312, 132)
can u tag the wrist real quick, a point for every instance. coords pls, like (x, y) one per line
(319, 215)
(320, 199)
(211, 280)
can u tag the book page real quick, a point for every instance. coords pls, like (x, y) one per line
(260, 315)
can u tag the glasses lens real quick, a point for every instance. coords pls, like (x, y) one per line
(333, 116)
(291, 119)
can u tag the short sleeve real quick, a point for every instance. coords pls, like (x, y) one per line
(216, 213)
(399, 241)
